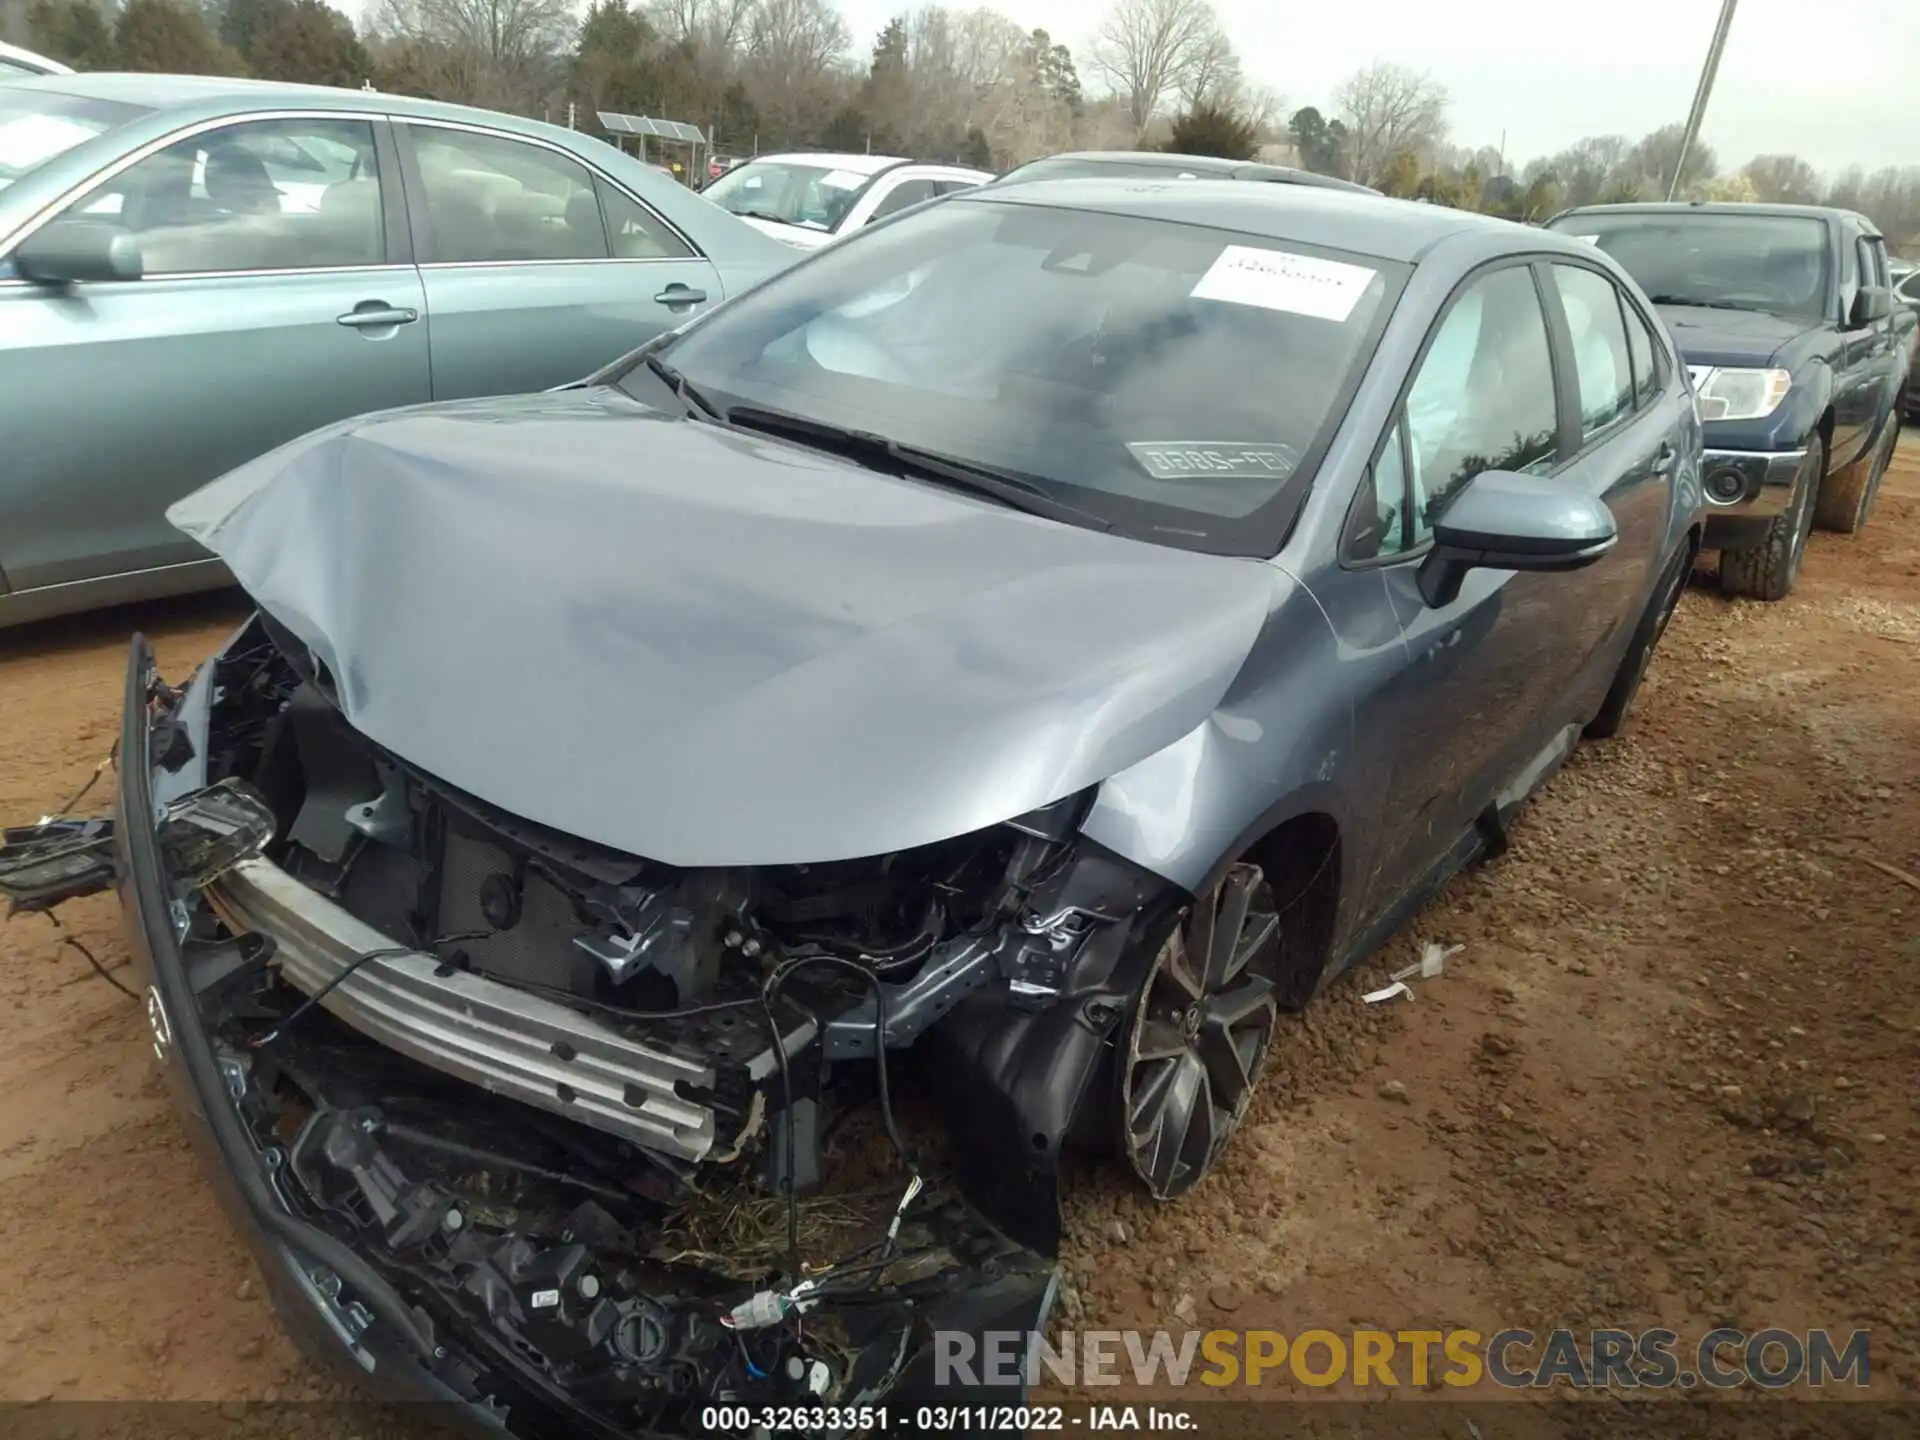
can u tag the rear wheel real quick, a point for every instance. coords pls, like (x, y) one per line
(1768, 571)
(1200, 1034)
(1846, 497)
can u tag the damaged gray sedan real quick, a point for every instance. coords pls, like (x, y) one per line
(639, 912)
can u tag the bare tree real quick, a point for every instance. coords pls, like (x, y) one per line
(1783, 179)
(493, 52)
(1147, 49)
(1391, 114)
(795, 50)
(708, 25)
(1212, 75)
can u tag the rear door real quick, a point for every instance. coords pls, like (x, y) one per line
(1628, 436)
(538, 270)
(279, 295)
(1856, 385)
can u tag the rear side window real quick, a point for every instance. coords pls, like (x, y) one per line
(491, 200)
(1644, 351)
(1600, 357)
(636, 232)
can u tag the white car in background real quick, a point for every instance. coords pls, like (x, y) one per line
(810, 200)
(15, 62)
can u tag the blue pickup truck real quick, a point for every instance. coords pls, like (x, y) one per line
(1800, 358)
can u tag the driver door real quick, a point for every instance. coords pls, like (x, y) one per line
(1473, 703)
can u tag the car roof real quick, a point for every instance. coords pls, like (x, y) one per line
(199, 92)
(45, 64)
(826, 159)
(1191, 165)
(1720, 207)
(1355, 221)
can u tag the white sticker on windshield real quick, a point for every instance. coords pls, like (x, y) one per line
(1280, 280)
(843, 180)
(1228, 459)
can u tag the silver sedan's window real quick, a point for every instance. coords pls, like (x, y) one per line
(494, 200)
(1175, 376)
(254, 196)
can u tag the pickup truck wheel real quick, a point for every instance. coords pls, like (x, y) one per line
(1846, 497)
(1646, 636)
(1768, 571)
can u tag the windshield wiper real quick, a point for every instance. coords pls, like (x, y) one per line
(1700, 304)
(683, 389)
(1008, 487)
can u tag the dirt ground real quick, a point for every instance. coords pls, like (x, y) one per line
(1673, 1078)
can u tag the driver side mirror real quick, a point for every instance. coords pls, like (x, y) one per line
(1503, 520)
(1871, 303)
(78, 251)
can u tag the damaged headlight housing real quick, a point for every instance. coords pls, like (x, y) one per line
(1738, 394)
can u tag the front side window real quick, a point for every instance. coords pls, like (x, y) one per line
(491, 200)
(814, 197)
(1727, 261)
(907, 192)
(1176, 381)
(260, 195)
(1483, 397)
(1601, 361)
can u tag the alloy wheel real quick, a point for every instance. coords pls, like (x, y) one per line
(1200, 1033)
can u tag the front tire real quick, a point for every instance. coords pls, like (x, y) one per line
(1200, 1034)
(1769, 570)
(1846, 496)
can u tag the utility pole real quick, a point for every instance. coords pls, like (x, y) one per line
(570, 105)
(1700, 96)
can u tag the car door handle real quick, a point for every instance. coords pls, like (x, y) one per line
(373, 314)
(1664, 459)
(677, 294)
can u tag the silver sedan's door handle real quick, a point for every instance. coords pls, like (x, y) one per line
(372, 314)
(678, 294)
(1663, 460)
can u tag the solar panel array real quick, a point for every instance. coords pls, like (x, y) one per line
(616, 124)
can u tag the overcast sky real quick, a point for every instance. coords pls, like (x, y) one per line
(1837, 81)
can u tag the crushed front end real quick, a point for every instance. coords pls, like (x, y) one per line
(590, 1143)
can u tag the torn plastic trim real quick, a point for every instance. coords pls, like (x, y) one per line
(145, 896)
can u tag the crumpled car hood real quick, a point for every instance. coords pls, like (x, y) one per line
(707, 647)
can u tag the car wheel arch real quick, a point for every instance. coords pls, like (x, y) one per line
(1300, 848)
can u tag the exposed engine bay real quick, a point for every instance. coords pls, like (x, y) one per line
(629, 1129)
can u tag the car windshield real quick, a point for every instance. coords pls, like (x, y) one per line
(1775, 263)
(815, 196)
(36, 125)
(1175, 382)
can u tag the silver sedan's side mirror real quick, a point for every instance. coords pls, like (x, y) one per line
(78, 251)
